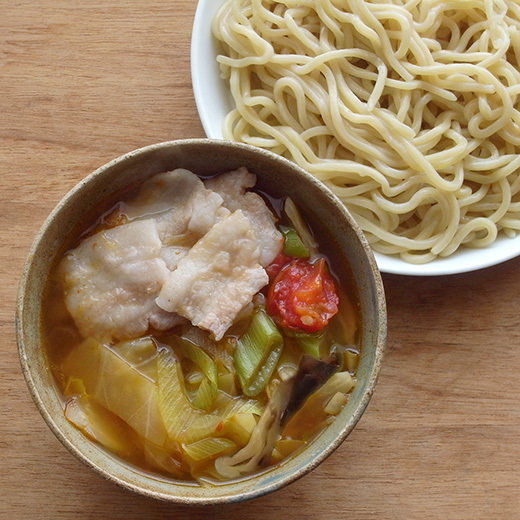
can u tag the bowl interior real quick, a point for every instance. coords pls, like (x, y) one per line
(277, 177)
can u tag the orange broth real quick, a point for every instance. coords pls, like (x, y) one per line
(62, 340)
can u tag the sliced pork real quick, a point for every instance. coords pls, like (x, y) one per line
(218, 277)
(232, 188)
(111, 281)
(185, 250)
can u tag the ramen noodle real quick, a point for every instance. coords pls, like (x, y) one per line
(408, 111)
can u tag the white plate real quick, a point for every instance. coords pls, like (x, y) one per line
(214, 101)
(211, 92)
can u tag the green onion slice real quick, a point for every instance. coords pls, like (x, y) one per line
(206, 392)
(293, 245)
(297, 222)
(310, 343)
(257, 353)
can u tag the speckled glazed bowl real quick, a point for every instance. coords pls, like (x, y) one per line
(277, 177)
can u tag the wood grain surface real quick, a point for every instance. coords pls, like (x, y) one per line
(82, 82)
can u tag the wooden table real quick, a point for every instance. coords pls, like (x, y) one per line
(82, 82)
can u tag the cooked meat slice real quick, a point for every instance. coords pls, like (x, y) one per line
(111, 280)
(232, 187)
(182, 246)
(218, 277)
(179, 202)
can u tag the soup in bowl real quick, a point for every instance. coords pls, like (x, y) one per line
(201, 321)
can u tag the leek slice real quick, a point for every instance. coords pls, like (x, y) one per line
(310, 343)
(238, 428)
(207, 450)
(226, 383)
(336, 403)
(176, 410)
(293, 245)
(194, 378)
(204, 425)
(220, 351)
(286, 447)
(207, 390)
(351, 360)
(205, 395)
(257, 352)
(297, 222)
(183, 421)
(234, 405)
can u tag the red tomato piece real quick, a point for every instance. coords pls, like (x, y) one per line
(276, 265)
(303, 296)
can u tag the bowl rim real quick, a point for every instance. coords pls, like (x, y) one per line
(89, 457)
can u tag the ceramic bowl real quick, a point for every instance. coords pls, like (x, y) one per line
(276, 176)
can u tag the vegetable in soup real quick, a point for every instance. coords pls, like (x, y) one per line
(197, 330)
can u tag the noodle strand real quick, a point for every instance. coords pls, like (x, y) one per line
(407, 110)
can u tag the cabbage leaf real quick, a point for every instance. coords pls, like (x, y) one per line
(118, 386)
